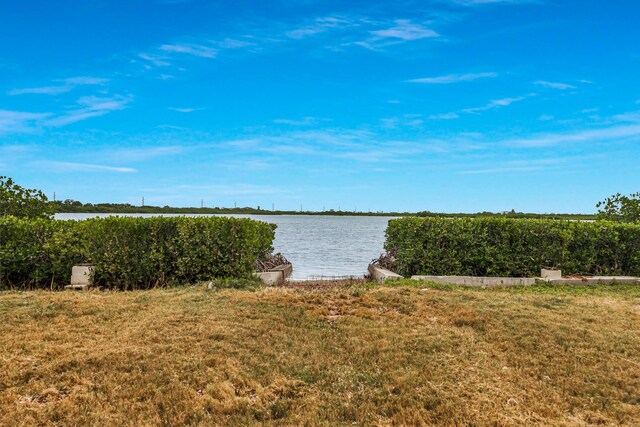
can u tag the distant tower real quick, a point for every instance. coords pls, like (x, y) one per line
(143, 201)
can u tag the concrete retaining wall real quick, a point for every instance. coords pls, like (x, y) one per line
(604, 280)
(477, 281)
(381, 275)
(276, 276)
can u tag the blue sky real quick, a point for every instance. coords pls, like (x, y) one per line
(444, 105)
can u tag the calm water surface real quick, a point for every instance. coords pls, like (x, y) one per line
(316, 245)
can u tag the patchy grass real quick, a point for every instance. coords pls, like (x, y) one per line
(411, 354)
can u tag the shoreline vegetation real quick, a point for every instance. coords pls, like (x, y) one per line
(73, 206)
(507, 247)
(131, 253)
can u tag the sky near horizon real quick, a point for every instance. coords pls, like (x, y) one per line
(443, 105)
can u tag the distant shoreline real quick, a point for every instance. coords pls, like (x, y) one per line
(129, 209)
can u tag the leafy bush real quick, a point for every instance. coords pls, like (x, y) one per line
(620, 208)
(512, 247)
(130, 253)
(23, 202)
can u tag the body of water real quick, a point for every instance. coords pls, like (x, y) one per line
(317, 246)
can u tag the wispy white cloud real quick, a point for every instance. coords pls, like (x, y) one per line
(616, 132)
(90, 106)
(521, 166)
(485, 2)
(502, 169)
(154, 59)
(351, 144)
(445, 116)
(405, 121)
(185, 110)
(234, 43)
(554, 85)
(633, 117)
(56, 166)
(401, 31)
(320, 25)
(496, 103)
(85, 80)
(166, 54)
(68, 85)
(345, 31)
(453, 78)
(248, 163)
(86, 107)
(190, 49)
(44, 90)
(142, 154)
(20, 121)
(405, 30)
(306, 121)
(272, 144)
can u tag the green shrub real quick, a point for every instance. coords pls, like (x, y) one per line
(23, 202)
(512, 247)
(620, 208)
(130, 253)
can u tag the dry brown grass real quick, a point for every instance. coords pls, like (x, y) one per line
(346, 356)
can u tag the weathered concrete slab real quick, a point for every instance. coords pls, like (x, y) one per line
(277, 275)
(82, 275)
(604, 280)
(478, 281)
(287, 269)
(551, 274)
(381, 275)
(271, 277)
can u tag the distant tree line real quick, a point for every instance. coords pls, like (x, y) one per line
(21, 202)
(74, 206)
(509, 214)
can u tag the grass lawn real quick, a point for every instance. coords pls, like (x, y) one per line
(411, 354)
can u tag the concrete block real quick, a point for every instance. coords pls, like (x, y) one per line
(381, 275)
(287, 269)
(477, 281)
(550, 274)
(82, 275)
(271, 277)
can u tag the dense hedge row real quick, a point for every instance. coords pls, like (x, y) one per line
(130, 253)
(512, 247)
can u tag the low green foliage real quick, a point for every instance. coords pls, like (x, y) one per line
(130, 253)
(512, 247)
(23, 202)
(620, 208)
